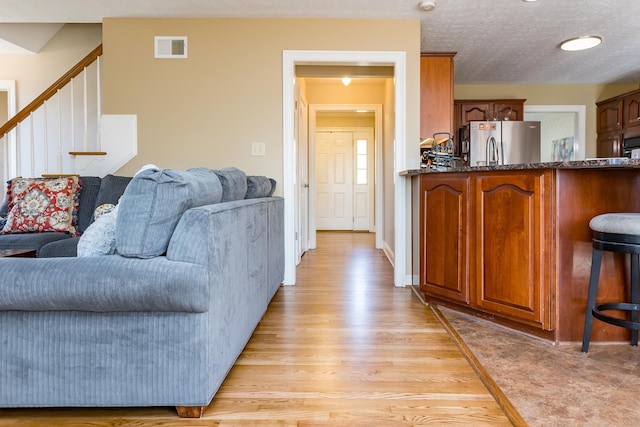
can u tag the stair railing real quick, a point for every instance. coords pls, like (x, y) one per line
(34, 141)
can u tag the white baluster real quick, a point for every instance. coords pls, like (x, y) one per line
(99, 105)
(32, 146)
(18, 145)
(45, 139)
(59, 133)
(73, 116)
(86, 114)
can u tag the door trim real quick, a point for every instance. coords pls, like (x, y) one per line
(9, 155)
(397, 59)
(378, 212)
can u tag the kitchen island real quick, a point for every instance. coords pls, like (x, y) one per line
(512, 243)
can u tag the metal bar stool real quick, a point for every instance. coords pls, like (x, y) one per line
(614, 232)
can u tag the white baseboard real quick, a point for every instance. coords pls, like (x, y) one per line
(389, 253)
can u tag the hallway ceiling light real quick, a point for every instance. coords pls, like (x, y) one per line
(346, 81)
(580, 43)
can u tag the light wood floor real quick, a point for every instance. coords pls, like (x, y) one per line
(343, 347)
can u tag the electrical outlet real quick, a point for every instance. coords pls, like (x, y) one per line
(258, 149)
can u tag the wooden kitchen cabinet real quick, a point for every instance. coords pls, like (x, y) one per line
(436, 93)
(513, 246)
(617, 118)
(482, 109)
(482, 243)
(609, 115)
(444, 244)
(631, 113)
(609, 144)
(511, 216)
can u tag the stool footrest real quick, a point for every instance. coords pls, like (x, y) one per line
(622, 306)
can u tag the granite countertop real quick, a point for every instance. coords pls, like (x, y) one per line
(617, 162)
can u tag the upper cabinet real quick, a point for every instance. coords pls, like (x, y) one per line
(631, 117)
(467, 110)
(436, 93)
(617, 118)
(609, 115)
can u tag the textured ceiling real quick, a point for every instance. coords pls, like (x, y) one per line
(498, 41)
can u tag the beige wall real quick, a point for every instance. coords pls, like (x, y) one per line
(34, 73)
(207, 109)
(586, 95)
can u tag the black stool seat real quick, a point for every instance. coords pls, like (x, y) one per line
(614, 232)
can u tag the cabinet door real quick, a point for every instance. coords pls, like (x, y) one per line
(631, 108)
(444, 225)
(609, 116)
(436, 93)
(469, 112)
(511, 110)
(609, 144)
(511, 217)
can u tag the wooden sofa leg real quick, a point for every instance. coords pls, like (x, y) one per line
(190, 411)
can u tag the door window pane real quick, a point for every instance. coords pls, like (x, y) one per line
(361, 161)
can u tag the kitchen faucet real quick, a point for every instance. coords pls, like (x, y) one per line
(492, 151)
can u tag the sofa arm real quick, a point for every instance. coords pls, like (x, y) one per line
(103, 284)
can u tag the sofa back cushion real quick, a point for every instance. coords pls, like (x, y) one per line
(259, 186)
(152, 204)
(234, 183)
(89, 188)
(111, 189)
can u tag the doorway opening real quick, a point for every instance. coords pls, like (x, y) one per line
(562, 131)
(374, 168)
(291, 181)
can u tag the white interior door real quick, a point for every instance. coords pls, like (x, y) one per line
(334, 180)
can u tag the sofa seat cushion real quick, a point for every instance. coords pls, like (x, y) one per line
(103, 284)
(30, 240)
(154, 201)
(60, 248)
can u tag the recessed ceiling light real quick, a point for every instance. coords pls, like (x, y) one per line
(581, 43)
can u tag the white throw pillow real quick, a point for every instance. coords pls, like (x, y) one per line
(100, 237)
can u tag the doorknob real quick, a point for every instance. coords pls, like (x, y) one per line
(306, 185)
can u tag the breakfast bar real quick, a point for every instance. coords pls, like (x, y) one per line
(512, 243)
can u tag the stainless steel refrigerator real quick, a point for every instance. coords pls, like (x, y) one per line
(501, 143)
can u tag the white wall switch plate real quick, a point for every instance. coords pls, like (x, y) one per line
(258, 149)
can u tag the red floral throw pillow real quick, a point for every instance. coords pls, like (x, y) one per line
(40, 205)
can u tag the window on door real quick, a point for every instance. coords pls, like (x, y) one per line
(361, 161)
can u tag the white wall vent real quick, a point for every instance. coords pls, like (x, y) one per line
(170, 47)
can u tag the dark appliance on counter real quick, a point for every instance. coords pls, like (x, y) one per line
(630, 144)
(500, 143)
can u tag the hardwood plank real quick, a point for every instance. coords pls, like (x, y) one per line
(343, 347)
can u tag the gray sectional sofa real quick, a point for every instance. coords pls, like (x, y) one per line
(200, 254)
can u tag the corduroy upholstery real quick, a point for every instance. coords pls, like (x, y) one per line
(126, 331)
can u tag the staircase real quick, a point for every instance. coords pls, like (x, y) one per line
(63, 131)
